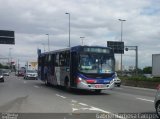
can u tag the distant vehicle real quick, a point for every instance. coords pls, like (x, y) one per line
(21, 73)
(16, 73)
(6, 72)
(157, 101)
(117, 81)
(127, 74)
(31, 74)
(148, 75)
(79, 67)
(1, 76)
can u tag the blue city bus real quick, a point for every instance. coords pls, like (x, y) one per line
(79, 67)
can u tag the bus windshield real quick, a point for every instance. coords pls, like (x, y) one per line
(96, 63)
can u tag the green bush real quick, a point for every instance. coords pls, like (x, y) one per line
(141, 78)
(3, 66)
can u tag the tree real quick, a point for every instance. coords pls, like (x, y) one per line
(147, 70)
(1, 66)
(4, 66)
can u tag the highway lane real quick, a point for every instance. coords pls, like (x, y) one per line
(19, 95)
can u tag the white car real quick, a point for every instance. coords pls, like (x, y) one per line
(31, 74)
(157, 101)
(117, 81)
(6, 72)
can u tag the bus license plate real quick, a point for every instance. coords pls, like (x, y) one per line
(98, 86)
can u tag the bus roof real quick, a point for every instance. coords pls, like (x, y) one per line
(74, 48)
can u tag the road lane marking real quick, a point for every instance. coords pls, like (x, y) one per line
(145, 99)
(92, 108)
(74, 109)
(36, 86)
(139, 88)
(60, 96)
(98, 109)
(74, 101)
(25, 82)
(83, 104)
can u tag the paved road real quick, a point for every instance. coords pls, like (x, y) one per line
(32, 96)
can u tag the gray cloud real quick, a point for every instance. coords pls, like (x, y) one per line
(97, 20)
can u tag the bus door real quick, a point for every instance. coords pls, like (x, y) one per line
(73, 67)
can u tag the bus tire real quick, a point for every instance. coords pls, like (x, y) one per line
(46, 82)
(66, 83)
(98, 91)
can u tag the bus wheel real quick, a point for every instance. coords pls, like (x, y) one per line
(67, 87)
(46, 82)
(98, 91)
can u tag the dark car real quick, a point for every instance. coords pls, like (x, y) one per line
(1, 76)
(21, 73)
(117, 81)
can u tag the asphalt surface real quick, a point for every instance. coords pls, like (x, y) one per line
(32, 99)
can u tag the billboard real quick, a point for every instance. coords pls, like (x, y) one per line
(117, 46)
(7, 37)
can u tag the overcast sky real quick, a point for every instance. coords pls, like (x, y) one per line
(96, 20)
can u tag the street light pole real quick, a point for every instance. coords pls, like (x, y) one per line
(43, 47)
(69, 28)
(82, 38)
(10, 59)
(48, 42)
(121, 20)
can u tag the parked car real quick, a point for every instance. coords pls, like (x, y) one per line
(1, 76)
(31, 74)
(117, 81)
(157, 101)
(6, 72)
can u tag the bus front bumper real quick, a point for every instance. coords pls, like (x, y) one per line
(86, 86)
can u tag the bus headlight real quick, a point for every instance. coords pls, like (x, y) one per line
(79, 80)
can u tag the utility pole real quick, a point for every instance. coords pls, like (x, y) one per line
(69, 29)
(82, 38)
(136, 54)
(121, 20)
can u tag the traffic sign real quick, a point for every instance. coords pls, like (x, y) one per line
(117, 46)
(7, 37)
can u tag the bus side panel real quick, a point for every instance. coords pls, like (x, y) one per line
(53, 79)
(57, 75)
(41, 68)
(64, 74)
